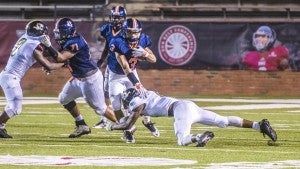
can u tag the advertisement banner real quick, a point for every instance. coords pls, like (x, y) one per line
(193, 46)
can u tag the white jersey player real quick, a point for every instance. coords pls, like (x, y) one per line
(27, 51)
(185, 113)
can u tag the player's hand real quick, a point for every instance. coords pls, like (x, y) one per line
(140, 88)
(109, 126)
(139, 52)
(45, 40)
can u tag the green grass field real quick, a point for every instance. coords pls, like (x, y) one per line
(43, 130)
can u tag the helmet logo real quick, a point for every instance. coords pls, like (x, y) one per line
(69, 24)
(39, 26)
(177, 45)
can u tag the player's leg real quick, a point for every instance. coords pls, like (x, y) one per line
(183, 120)
(14, 96)
(103, 120)
(211, 118)
(67, 97)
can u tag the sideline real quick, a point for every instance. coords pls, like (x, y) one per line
(253, 103)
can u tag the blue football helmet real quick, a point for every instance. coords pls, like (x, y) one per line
(117, 17)
(36, 28)
(64, 29)
(133, 29)
(263, 31)
(128, 95)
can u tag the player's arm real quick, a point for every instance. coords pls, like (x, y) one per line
(128, 72)
(145, 54)
(103, 55)
(38, 55)
(58, 56)
(150, 57)
(128, 120)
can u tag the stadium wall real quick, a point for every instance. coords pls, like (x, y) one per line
(184, 82)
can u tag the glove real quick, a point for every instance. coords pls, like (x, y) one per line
(140, 88)
(139, 52)
(109, 126)
(45, 40)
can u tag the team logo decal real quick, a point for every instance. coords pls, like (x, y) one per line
(177, 45)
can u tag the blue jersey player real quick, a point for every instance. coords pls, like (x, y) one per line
(130, 49)
(108, 31)
(86, 76)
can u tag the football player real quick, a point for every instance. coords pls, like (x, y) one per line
(129, 50)
(108, 31)
(27, 51)
(185, 114)
(267, 56)
(118, 82)
(86, 76)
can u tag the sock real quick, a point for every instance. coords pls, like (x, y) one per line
(78, 118)
(256, 126)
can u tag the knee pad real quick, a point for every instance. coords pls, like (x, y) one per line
(70, 105)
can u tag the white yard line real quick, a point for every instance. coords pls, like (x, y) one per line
(267, 103)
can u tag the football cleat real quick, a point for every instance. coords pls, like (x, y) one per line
(101, 124)
(80, 130)
(202, 139)
(150, 126)
(3, 134)
(266, 129)
(128, 136)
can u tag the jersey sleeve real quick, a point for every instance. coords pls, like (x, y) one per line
(103, 30)
(145, 41)
(119, 45)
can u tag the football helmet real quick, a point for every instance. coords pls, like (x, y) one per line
(36, 28)
(128, 95)
(64, 29)
(133, 29)
(117, 17)
(263, 38)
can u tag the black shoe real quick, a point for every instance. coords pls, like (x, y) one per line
(266, 129)
(202, 139)
(150, 126)
(128, 136)
(3, 134)
(80, 130)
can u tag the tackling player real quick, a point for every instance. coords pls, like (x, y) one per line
(185, 114)
(267, 57)
(27, 51)
(86, 75)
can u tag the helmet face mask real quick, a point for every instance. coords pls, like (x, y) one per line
(36, 28)
(117, 17)
(263, 38)
(133, 29)
(64, 29)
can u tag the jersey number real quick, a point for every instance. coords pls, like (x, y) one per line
(132, 63)
(17, 46)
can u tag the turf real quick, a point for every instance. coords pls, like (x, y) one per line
(44, 130)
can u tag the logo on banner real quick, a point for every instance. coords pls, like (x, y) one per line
(177, 45)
